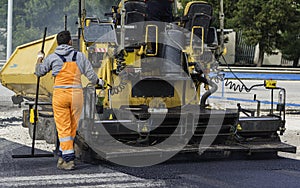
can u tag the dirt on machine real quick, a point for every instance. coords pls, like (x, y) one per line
(154, 106)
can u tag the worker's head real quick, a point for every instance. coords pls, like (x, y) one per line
(64, 37)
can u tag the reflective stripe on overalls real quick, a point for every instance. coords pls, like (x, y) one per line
(67, 105)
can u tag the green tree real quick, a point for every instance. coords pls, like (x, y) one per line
(289, 43)
(30, 21)
(263, 21)
(30, 17)
(3, 26)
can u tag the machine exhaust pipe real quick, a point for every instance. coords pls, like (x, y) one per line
(204, 97)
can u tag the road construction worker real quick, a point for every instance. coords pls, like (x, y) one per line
(67, 66)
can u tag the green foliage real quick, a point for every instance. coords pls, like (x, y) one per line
(3, 15)
(3, 26)
(262, 21)
(30, 17)
(181, 7)
(289, 42)
(30, 21)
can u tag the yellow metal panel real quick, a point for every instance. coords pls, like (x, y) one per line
(18, 72)
(190, 96)
(270, 84)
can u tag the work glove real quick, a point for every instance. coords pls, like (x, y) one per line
(101, 83)
(40, 55)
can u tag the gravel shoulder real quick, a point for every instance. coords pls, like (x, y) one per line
(11, 128)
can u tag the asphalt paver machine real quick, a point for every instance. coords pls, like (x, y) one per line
(159, 78)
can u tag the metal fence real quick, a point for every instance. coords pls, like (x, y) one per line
(244, 54)
(285, 62)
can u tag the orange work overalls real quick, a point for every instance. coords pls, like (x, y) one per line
(67, 105)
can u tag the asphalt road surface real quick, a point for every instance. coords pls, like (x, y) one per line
(41, 172)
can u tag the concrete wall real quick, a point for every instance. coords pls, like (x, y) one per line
(275, 59)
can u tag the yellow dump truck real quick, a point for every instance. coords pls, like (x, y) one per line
(18, 72)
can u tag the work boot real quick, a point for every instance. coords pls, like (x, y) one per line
(60, 161)
(67, 165)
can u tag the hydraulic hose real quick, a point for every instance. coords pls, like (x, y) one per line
(236, 87)
(204, 97)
